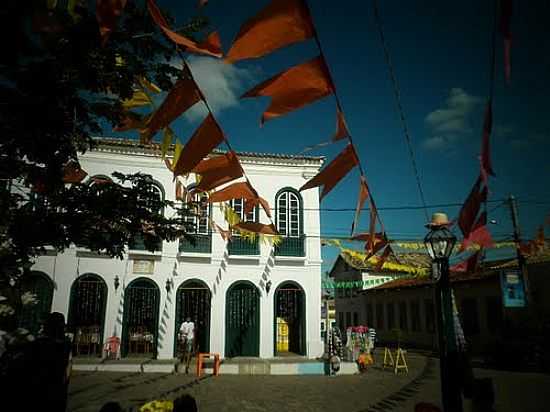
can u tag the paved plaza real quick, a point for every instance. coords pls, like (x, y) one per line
(375, 391)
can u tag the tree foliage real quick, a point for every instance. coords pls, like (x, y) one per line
(60, 87)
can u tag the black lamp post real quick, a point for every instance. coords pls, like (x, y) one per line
(440, 242)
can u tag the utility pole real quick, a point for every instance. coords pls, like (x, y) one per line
(517, 240)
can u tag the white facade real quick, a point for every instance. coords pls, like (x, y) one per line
(350, 305)
(217, 269)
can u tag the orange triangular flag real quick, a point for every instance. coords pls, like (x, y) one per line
(279, 24)
(334, 172)
(257, 228)
(107, 14)
(363, 195)
(225, 234)
(218, 170)
(341, 132)
(241, 190)
(383, 258)
(294, 88)
(372, 225)
(73, 173)
(207, 136)
(341, 126)
(209, 48)
(249, 204)
(183, 95)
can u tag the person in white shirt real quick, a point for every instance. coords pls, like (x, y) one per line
(187, 337)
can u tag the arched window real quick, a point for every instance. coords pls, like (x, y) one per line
(239, 245)
(289, 213)
(153, 204)
(289, 221)
(199, 222)
(200, 210)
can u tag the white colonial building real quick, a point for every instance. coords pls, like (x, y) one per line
(246, 299)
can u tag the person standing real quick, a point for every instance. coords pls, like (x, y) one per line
(39, 373)
(187, 336)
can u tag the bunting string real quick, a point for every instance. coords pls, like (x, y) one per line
(225, 139)
(399, 106)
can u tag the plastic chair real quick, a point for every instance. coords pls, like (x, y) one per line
(200, 361)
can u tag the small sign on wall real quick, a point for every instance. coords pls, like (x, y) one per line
(513, 292)
(144, 267)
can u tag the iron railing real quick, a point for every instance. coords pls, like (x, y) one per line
(291, 246)
(241, 246)
(137, 243)
(203, 244)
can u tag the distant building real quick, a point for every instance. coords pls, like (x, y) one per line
(349, 281)
(246, 298)
(403, 309)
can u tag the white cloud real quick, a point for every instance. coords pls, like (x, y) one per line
(453, 116)
(221, 83)
(451, 120)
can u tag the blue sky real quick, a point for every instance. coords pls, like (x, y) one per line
(440, 51)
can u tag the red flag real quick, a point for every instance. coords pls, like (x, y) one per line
(341, 132)
(241, 190)
(218, 170)
(207, 136)
(374, 243)
(485, 158)
(506, 9)
(341, 126)
(225, 234)
(209, 47)
(383, 258)
(470, 208)
(469, 265)
(183, 95)
(363, 195)
(250, 204)
(107, 14)
(279, 24)
(479, 234)
(294, 88)
(334, 172)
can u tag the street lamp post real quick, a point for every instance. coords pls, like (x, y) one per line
(439, 243)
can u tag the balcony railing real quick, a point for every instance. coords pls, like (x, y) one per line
(137, 243)
(240, 246)
(291, 246)
(203, 244)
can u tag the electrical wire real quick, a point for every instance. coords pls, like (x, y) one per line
(400, 110)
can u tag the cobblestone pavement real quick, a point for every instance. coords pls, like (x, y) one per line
(375, 391)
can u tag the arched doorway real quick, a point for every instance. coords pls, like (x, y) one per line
(193, 300)
(141, 316)
(242, 320)
(86, 321)
(289, 320)
(32, 315)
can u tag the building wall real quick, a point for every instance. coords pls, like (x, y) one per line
(217, 269)
(481, 330)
